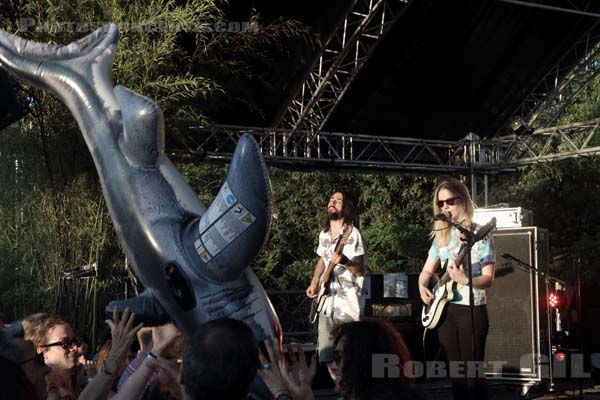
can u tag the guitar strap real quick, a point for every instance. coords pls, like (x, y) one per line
(339, 247)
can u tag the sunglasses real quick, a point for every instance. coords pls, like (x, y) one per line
(38, 356)
(65, 343)
(451, 201)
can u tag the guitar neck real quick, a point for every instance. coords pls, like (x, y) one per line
(337, 250)
(446, 277)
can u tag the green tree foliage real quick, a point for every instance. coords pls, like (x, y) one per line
(564, 195)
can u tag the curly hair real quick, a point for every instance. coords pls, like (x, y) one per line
(38, 331)
(361, 340)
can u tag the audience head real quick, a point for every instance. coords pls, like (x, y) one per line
(21, 370)
(31, 323)
(59, 385)
(220, 361)
(32, 363)
(352, 368)
(14, 382)
(54, 337)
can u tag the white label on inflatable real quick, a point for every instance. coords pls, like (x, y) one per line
(229, 226)
(203, 253)
(225, 199)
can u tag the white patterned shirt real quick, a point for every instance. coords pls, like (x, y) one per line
(343, 302)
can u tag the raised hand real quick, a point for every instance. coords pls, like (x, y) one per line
(123, 332)
(162, 336)
(144, 337)
(294, 379)
(297, 375)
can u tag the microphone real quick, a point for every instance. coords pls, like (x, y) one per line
(445, 216)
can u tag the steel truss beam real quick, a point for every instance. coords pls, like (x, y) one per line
(341, 59)
(543, 145)
(327, 150)
(565, 81)
(402, 155)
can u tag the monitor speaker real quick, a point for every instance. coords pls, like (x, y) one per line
(517, 345)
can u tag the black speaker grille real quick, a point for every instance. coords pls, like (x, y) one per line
(512, 304)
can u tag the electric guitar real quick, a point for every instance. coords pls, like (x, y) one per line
(325, 279)
(443, 292)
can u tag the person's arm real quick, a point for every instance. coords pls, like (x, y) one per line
(427, 272)
(144, 337)
(352, 256)
(313, 289)
(356, 265)
(132, 367)
(486, 279)
(135, 385)
(123, 332)
(483, 281)
(486, 257)
(162, 337)
(134, 388)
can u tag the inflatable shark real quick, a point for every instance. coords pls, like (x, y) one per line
(192, 260)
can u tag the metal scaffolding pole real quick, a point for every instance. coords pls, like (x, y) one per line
(341, 59)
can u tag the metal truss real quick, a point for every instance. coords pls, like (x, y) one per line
(342, 57)
(329, 150)
(366, 153)
(566, 79)
(543, 145)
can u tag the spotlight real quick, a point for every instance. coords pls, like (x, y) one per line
(556, 299)
(519, 126)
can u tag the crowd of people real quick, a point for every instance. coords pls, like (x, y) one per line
(42, 358)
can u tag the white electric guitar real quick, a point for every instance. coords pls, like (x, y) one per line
(442, 291)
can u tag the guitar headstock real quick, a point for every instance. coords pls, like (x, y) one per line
(485, 230)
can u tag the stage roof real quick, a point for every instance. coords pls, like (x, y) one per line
(446, 68)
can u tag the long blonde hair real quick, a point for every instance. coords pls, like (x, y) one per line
(458, 189)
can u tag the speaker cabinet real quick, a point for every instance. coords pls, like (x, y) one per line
(518, 333)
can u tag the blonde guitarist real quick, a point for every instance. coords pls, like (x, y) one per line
(340, 303)
(454, 329)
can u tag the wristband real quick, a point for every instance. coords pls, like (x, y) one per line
(152, 355)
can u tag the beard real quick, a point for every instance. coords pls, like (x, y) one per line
(334, 215)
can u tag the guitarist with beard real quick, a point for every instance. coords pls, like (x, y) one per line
(341, 249)
(455, 328)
